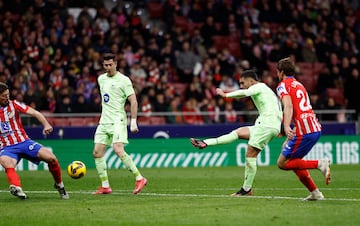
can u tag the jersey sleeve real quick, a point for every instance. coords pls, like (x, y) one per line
(128, 87)
(252, 90)
(281, 90)
(21, 106)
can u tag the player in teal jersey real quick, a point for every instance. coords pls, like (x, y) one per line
(266, 127)
(115, 89)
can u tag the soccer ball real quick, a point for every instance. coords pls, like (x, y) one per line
(76, 169)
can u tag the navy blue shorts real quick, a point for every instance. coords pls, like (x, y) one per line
(299, 146)
(28, 149)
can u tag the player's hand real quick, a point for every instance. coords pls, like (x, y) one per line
(47, 130)
(220, 92)
(290, 133)
(133, 126)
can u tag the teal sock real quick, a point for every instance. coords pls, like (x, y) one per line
(130, 165)
(101, 168)
(224, 139)
(250, 172)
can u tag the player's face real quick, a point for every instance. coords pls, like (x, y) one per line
(244, 83)
(4, 98)
(109, 66)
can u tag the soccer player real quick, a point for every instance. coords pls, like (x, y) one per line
(115, 89)
(266, 127)
(15, 144)
(303, 133)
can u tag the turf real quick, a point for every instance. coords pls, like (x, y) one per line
(185, 196)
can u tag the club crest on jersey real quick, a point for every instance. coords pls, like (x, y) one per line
(5, 127)
(106, 97)
(280, 88)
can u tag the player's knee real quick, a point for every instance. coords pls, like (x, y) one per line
(46, 155)
(7, 162)
(97, 154)
(281, 165)
(51, 159)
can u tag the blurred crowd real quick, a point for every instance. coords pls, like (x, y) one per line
(50, 57)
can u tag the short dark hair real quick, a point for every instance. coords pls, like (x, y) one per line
(250, 74)
(3, 87)
(287, 66)
(109, 56)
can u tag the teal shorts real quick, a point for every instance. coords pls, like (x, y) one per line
(261, 136)
(111, 133)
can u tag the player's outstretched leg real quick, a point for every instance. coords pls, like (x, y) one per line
(324, 167)
(198, 143)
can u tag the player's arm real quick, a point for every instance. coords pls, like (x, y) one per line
(41, 118)
(235, 94)
(133, 113)
(288, 113)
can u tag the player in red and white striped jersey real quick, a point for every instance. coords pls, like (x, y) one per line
(15, 144)
(302, 129)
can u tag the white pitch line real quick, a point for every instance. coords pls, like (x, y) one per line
(127, 192)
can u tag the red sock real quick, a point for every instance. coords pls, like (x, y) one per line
(305, 178)
(55, 170)
(299, 164)
(12, 177)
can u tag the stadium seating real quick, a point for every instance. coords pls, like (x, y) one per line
(182, 22)
(337, 95)
(152, 120)
(59, 122)
(155, 9)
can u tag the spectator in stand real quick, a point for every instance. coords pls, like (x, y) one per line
(209, 89)
(230, 114)
(228, 84)
(138, 76)
(160, 105)
(146, 108)
(325, 80)
(309, 52)
(64, 105)
(207, 108)
(191, 112)
(186, 61)
(194, 90)
(80, 105)
(227, 62)
(95, 101)
(32, 98)
(175, 109)
(154, 73)
(351, 88)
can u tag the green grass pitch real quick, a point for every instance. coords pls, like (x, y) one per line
(185, 196)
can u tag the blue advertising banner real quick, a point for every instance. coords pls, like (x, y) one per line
(174, 131)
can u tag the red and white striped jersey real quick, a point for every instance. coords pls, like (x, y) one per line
(304, 117)
(12, 131)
